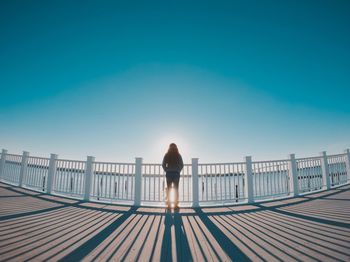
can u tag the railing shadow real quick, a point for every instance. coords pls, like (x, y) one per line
(227, 245)
(83, 250)
(264, 230)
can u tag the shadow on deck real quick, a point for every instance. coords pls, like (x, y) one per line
(35, 226)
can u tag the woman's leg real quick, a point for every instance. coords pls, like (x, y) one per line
(176, 189)
(167, 190)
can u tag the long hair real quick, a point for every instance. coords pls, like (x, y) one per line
(173, 155)
(173, 150)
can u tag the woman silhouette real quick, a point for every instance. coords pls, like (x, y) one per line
(172, 165)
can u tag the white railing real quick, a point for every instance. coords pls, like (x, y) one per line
(271, 179)
(37, 173)
(69, 178)
(337, 169)
(309, 174)
(221, 183)
(154, 184)
(12, 169)
(113, 181)
(200, 184)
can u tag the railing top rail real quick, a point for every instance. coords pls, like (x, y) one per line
(38, 157)
(113, 163)
(225, 163)
(159, 164)
(13, 155)
(151, 164)
(187, 164)
(70, 160)
(337, 155)
(270, 161)
(309, 158)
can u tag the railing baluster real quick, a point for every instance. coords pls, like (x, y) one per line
(249, 180)
(2, 163)
(138, 181)
(347, 165)
(195, 195)
(293, 175)
(51, 173)
(24, 165)
(325, 170)
(89, 174)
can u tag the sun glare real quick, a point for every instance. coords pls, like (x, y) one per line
(171, 195)
(164, 142)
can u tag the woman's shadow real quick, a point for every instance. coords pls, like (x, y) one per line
(173, 225)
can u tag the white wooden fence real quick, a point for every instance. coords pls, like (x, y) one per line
(200, 184)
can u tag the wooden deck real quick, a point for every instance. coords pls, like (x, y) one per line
(37, 227)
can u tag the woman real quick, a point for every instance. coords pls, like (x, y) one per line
(172, 165)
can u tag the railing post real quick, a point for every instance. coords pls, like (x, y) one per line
(2, 163)
(51, 174)
(195, 194)
(138, 181)
(325, 171)
(347, 152)
(249, 179)
(23, 170)
(89, 170)
(293, 175)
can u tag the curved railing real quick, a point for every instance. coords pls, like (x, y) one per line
(200, 184)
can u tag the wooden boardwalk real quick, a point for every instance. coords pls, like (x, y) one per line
(37, 227)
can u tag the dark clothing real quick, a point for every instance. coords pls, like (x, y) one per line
(172, 165)
(172, 162)
(173, 177)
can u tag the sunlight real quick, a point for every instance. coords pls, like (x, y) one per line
(161, 146)
(171, 195)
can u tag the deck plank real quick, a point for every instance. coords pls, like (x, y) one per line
(38, 227)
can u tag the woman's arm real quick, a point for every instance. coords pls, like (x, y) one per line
(164, 163)
(181, 163)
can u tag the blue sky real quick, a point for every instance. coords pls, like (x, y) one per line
(223, 79)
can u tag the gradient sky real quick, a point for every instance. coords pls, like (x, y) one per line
(120, 79)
